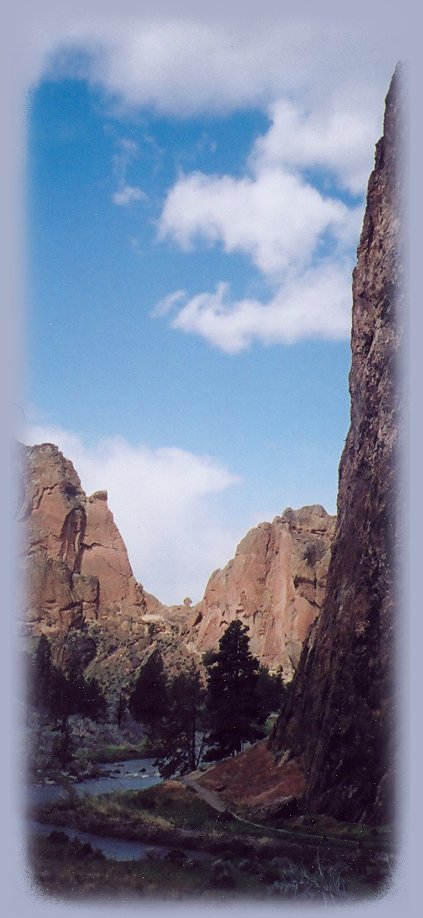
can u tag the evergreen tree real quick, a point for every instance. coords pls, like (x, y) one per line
(121, 706)
(58, 695)
(148, 702)
(42, 688)
(93, 702)
(172, 714)
(270, 691)
(232, 699)
(179, 739)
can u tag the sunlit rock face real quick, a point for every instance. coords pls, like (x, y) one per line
(80, 590)
(275, 584)
(340, 711)
(78, 586)
(74, 562)
(79, 555)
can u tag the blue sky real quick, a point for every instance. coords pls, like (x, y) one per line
(190, 243)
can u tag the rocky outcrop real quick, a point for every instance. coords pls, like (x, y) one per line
(78, 563)
(275, 584)
(78, 586)
(340, 710)
(81, 593)
(74, 562)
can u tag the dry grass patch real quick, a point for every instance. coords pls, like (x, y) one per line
(253, 778)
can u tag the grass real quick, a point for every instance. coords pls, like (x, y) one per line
(167, 813)
(67, 869)
(57, 870)
(172, 814)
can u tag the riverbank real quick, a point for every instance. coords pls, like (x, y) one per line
(80, 752)
(173, 815)
(67, 871)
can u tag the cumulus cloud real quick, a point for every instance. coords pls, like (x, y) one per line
(317, 304)
(186, 66)
(273, 216)
(320, 82)
(298, 231)
(339, 140)
(166, 502)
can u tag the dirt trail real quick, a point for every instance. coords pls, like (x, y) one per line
(209, 796)
(295, 836)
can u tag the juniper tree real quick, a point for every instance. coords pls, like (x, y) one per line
(232, 700)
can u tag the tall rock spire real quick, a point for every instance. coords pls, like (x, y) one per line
(340, 713)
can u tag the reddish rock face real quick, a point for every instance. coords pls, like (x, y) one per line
(340, 710)
(275, 585)
(104, 556)
(76, 567)
(79, 589)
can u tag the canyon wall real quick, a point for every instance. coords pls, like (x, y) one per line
(74, 563)
(339, 716)
(275, 584)
(79, 589)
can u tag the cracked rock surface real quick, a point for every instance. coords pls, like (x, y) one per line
(340, 712)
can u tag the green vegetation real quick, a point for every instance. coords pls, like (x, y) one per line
(172, 713)
(242, 859)
(59, 871)
(152, 814)
(236, 710)
(149, 699)
(178, 745)
(57, 694)
(181, 716)
(272, 692)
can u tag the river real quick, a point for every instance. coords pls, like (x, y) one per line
(132, 774)
(118, 849)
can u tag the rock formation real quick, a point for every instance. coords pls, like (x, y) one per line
(275, 584)
(78, 586)
(75, 564)
(340, 710)
(81, 593)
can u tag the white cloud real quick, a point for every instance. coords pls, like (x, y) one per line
(316, 304)
(274, 216)
(340, 140)
(189, 65)
(299, 237)
(320, 80)
(166, 503)
(164, 306)
(128, 194)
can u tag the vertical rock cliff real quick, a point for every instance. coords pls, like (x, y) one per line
(340, 712)
(74, 563)
(78, 585)
(275, 584)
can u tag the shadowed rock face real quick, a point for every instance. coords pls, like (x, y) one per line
(340, 710)
(275, 584)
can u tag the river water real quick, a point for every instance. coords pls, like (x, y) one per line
(132, 774)
(118, 849)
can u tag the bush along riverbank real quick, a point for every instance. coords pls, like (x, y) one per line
(244, 859)
(50, 753)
